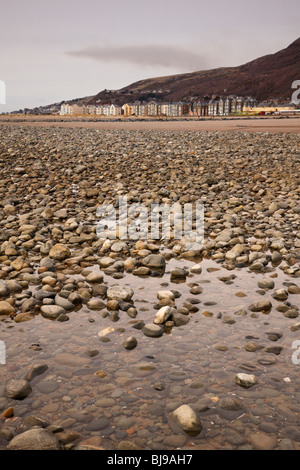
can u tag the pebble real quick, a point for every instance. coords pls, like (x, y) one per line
(246, 380)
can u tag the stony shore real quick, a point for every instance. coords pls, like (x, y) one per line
(148, 344)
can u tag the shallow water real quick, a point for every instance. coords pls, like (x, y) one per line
(124, 401)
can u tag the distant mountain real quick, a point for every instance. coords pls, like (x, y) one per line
(267, 77)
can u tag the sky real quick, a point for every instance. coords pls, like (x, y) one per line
(64, 49)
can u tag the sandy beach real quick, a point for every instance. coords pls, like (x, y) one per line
(266, 124)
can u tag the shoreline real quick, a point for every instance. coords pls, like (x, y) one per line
(252, 124)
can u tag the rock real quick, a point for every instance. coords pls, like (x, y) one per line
(6, 308)
(18, 263)
(94, 277)
(35, 371)
(276, 257)
(52, 311)
(165, 294)
(127, 445)
(162, 315)
(294, 289)
(220, 347)
(106, 331)
(129, 343)
(95, 304)
(32, 421)
(4, 290)
(231, 404)
(263, 306)
(280, 294)
(17, 389)
(34, 439)
(65, 437)
(274, 350)
(153, 331)
(64, 303)
(246, 380)
(155, 261)
(180, 319)
(29, 304)
(187, 419)
(196, 269)
(14, 286)
(291, 313)
(261, 441)
(178, 273)
(120, 292)
(22, 317)
(266, 283)
(60, 252)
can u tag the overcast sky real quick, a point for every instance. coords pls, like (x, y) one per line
(63, 49)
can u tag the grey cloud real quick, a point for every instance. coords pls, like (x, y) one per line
(151, 55)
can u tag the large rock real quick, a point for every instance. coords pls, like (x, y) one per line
(153, 331)
(17, 389)
(154, 261)
(162, 315)
(52, 311)
(59, 252)
(94, 276)
(120, 292)
(64, 303)
(165, 294)
(187, 419)
(263, 306)
(266, 283)
(6, 308)
(35, 439)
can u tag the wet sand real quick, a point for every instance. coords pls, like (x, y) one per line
(286, 125)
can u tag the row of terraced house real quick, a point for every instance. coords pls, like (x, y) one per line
(223, 106)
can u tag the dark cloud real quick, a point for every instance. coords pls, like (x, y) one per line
(146, 56)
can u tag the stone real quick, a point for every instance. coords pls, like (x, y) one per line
(231, 404)
(261, 441)
(95, 304)
(6, 308)
(294, 289)
(280, 294)
(64, 303)
(162, 315)
(129, 343)
(94, 277)
(35, 371)
(52, 311)
(180, 319)
(165, 294)
(178, 273)
(22, 317)
(60, 252)
(155, 261)
(196, 269)
(187, 419)
(4, 290)
(246, 380)
(120, 292)
(65, 437)
(153, 331)
(35, 439)
(266, 283)
(263, 306)
(17, 389)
